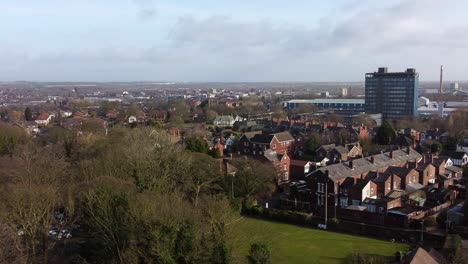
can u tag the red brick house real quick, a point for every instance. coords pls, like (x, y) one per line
(426, 173)
(338, 153)
(281, 163)
(332, 176)
(244, 142)
(257, 144)
(299, 168)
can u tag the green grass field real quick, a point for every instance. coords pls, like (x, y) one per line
(293, 244)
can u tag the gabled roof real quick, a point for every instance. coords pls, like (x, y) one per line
(283, 136)
(250, 135)
(399, 171)
(43, 117)
(327, 148)
(272, 156)
(439, 160)
(454, 169)
(342, 150)
(421, 256)
(300, 163)
(453, 154)
(360, 184)
(364, 165)
(262, 138)
(423, 166)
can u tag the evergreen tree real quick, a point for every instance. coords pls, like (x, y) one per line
(28, 114)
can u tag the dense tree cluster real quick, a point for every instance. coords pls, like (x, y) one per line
(132, 196)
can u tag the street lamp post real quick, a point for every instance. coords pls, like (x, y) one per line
(326, 203)
(422, 231)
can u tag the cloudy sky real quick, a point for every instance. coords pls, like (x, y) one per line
(242, 40)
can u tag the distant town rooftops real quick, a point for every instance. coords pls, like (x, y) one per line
(327, 101)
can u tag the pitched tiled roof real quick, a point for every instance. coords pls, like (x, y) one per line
(363, 165)
(283, 136)
(262, 138)
(250, 135)
(272, 156)
(328, 147)
(298, 162)
(342, 150)
(453, 154)
(399, 171)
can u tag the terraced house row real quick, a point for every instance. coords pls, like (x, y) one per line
(400, 182)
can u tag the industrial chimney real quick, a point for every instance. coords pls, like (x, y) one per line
(440, 84)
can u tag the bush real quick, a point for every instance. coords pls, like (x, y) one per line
(430, 221)
(259, 254)
(333, 223)
(289, 216)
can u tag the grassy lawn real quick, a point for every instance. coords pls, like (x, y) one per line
(293, 244)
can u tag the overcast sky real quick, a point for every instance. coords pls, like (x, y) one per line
(223, 40)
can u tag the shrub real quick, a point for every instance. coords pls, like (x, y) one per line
(430, 221)
(259, 254)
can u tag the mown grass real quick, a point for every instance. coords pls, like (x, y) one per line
(294, 244)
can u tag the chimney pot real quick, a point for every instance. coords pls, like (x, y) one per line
(391, 154)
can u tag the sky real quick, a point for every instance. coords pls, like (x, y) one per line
(230, 41)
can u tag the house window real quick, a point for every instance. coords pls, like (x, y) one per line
(285, 167)
(372, 190)
(273, 146)
(246, 150)
(388, 186)
(321, 187)
(246, 144)
(253, 152)
(394, 184)
(320, 199)
(343, 203)
(260, 153)
(413, 179)
(285, 176)
(254, 145)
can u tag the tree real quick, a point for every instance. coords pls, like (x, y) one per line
(3, 114)
(313, 144)
(106, 222)
(155, 124)
(385, 134)
(196, 144)
(10, 138)
(30, 209)
(205, 175)
(28, 114)
(259, 254)
(253, 177)
(185, 243)
(436, 147)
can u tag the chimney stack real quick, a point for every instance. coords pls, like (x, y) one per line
(424, 159)
(391, 154)
(441, 74)
(372, 159)
(351, 165)
(408, 151)
(432, 158)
